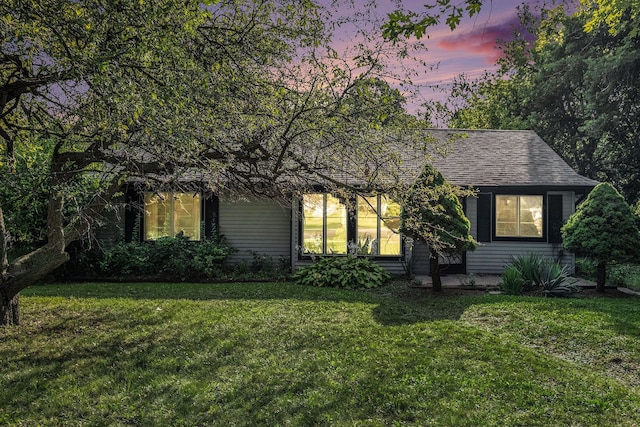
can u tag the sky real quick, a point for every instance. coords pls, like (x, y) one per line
(470, 49)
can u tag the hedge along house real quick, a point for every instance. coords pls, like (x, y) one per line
(525, 192)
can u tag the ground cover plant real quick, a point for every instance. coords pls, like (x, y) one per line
(283, 354)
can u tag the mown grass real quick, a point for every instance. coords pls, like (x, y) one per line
(280, 354)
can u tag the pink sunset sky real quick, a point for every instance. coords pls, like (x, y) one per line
(469, 49)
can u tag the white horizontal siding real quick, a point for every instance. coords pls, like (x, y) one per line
(255, 226)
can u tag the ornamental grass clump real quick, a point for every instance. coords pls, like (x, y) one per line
(512, 281)
(554, 280)
(535, 273)
(342, 272)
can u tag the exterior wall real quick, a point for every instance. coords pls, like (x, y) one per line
(261, 226)
(491, 257)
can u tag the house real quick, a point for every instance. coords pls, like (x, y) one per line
(525, 192)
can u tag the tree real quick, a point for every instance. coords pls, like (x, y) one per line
(432, 213)
(406, 23)
(146, 91)
(578, 90)
(603, 227)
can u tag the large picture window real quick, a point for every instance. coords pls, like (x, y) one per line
(324, 224)
(519, 216)
(170, 214)
(378, 222)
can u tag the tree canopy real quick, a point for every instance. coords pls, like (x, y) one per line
(244, 96)
(603, 227)
(577, 89)
(432, 213)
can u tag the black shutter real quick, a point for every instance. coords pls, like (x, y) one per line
(210, 205)
(554, 215)
(484, 217)
(132, 215)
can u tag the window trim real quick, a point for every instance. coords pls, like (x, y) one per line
(352, 230)
(379, 221)
(494, 217)
(324, 252)
(172, 198)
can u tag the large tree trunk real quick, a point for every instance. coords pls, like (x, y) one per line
(9, 306)
(33, 267)
(10, 311)
(602, 276)
(434, 270)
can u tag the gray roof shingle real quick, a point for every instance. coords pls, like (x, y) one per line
(487, 158)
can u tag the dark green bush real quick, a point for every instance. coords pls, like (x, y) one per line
(342, 272)
(554, 281)
(168, 256)
(533, 272)
(126, 259)
(512, 281)
(587, 268)
(529, 267)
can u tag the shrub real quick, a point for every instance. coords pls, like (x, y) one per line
(512, 281)
(618, 275)
(554, 280)
(209, 257)
(342, 272)
(529, 267)
(170, 256)
(586, 267)
(534, 272)
(126, 259)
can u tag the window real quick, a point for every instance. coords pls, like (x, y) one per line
(169, 214)
(324, 224)
(378, 222)
(519, 216)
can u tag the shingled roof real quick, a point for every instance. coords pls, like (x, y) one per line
(488, 158)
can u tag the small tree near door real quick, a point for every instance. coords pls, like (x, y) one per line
(432, 213)
(604, 228)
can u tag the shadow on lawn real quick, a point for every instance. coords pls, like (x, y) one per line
(394, 304)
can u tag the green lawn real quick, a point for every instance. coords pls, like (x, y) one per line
(280, 354)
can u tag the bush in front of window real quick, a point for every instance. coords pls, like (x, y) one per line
(170, 257)
(535, 273)
(511, 281)
(342, 272)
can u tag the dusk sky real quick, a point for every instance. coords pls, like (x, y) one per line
(469, 49)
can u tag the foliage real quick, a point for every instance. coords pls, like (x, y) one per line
(342, 272)
(624, 275)
(183, 354)
(246, 92)
(529, 266)
(25, 217)
(168, 256)
(262, 267)
(586, 267)
(578, 90)
(603, 227)
(432, 213)
(512, 281)
(554, 280)
(407, 23)
(533, 272)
